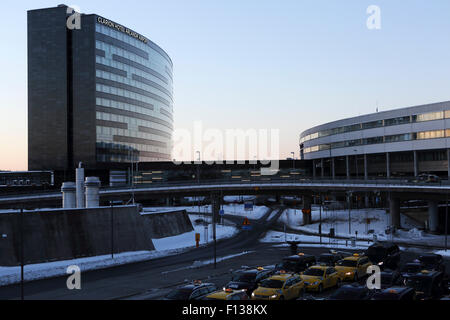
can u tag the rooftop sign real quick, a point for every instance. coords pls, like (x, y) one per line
(121, 28)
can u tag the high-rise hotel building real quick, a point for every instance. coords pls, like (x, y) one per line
(101, 94)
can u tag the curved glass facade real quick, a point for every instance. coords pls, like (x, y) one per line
(338, 137)
(134, 98)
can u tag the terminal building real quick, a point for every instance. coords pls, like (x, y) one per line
(399, 143)
(100, 95)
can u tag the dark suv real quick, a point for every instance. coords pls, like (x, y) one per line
(385, 255)
(432, 262)
(248, 279)
(395, 293)
(429, 285)
(329, 259)
(297, 263)
(193, 291)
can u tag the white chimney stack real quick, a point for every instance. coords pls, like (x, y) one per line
(68, 190)
(92, 185)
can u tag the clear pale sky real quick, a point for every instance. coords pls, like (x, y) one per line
(286, 65)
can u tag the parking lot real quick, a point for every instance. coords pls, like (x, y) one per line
(265, 256)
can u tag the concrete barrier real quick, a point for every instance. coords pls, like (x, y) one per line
(167, 224)
(66, 234)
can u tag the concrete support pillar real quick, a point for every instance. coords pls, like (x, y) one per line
(388, 165)
(433, 213)
(92, 185)
(333, 168)
(68, 190)
(216, 203)
(416, 164)
(80, 186)
(367, 200)
(307, 218)
(322, 168)
(366, 168)
(347, 166)
(394, 207)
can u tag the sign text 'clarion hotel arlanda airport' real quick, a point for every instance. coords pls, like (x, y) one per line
(121, 28)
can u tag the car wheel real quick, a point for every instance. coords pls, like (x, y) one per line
(281, 298)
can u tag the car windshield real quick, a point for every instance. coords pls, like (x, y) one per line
(244, 277)
(348, 294)
(272, 284)
(411, 269)
(179, 294)
(314, 272)
(419, 284)
(347, 263)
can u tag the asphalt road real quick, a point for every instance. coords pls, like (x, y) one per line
(153, 279)
(137, 278)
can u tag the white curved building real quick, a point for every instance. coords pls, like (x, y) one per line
(402, 142)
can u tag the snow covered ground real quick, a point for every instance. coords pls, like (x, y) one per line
(280, 238)
(164, 247)
(230, 209)
(362, 221)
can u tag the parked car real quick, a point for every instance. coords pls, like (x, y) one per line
(193, 291)
(281, 286)
(427, 178)
(429, 285)
(385, 255)
(352, 292)
(432, 262)
(227, 295)
(396, 293)
(329, 259)
(248, 279)
(297, 263)
(410, 269)
(353, 268)
(390, 278)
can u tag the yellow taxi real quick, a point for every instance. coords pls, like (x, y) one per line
(228, 294)
(319, 278)
(353, 268)
(281, 286)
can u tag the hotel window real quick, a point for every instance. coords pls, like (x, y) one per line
(324, 147)
(373, 124)
(354, 127)
(429, 116)
(375, 140)
(430, 134)
(447, 114)
(397, 121)
(399, 138)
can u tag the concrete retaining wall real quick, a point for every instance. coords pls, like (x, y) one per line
(56, 235)
(167, 224)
